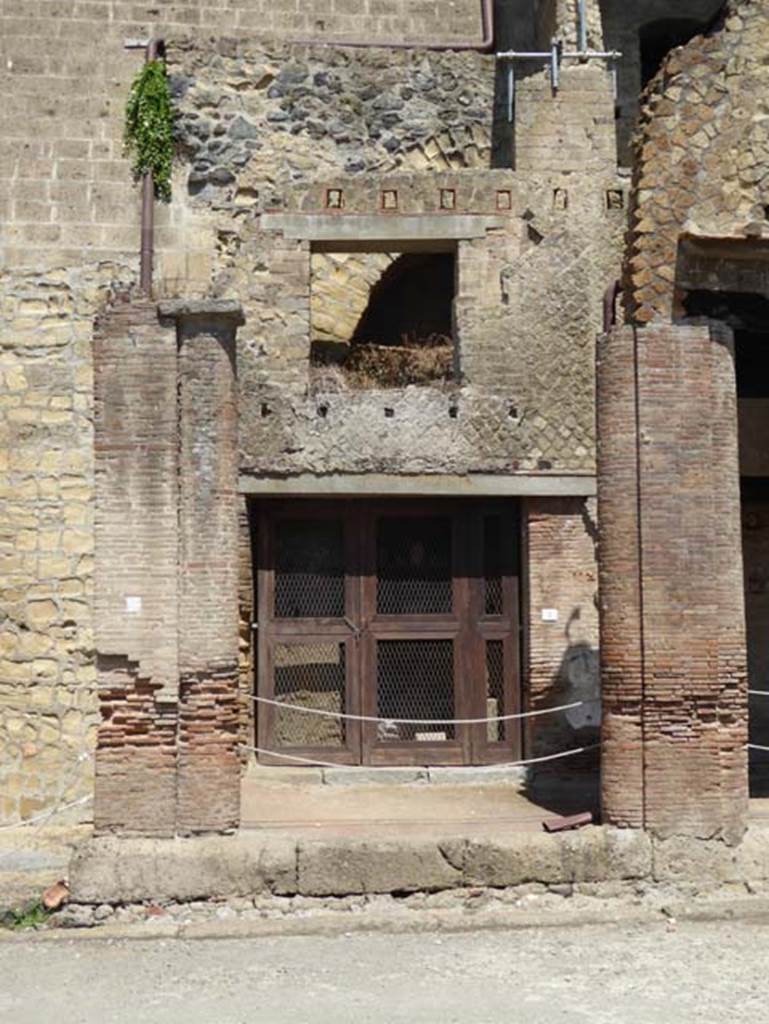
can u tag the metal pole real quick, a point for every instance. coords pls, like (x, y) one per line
(555, 55)
(511, 92)
(565, 55)
(582, 26)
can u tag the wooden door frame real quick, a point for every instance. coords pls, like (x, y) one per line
(467, 626)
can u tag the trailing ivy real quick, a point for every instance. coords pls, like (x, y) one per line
(149, 127)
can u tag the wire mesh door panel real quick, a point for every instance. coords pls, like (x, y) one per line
(311, 688)
(413, 691)
(308, 673)
(414, 594)
(494, 533)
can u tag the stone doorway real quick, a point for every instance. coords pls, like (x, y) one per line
(403, 615)
(752, 362)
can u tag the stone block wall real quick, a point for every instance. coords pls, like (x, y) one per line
(570, 130)
(48, 707)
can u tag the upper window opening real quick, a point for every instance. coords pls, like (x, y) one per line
(383, 320)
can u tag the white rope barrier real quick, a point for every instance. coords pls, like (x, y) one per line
(756, 746)
(479, 768)
(423, 721)
(46, 815)
(759, 693)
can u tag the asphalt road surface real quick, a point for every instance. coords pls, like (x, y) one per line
(636, 974)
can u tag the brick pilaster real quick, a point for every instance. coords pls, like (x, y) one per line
(208, 763)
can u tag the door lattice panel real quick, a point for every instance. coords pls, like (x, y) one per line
(313, 676)
(415, 679)
(495, 689)
(492, 568)
(309, 569)
(414, 566)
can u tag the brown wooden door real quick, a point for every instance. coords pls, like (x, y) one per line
(400, 611)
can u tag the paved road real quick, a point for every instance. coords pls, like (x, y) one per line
(707, 973)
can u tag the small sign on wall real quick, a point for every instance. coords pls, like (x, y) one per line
(133, 605)
(549, 614)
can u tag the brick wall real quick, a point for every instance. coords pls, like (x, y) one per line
(562, 576)
(672, 631)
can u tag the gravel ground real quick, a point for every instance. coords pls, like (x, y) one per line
(620, 973)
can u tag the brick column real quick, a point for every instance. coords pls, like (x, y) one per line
(135, 577)
(208, 766)
(619, 588)
(672, 630)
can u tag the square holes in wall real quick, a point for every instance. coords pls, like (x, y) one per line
(448, 199)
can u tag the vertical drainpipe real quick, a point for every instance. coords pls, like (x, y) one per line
(155, 49)
(582, 13)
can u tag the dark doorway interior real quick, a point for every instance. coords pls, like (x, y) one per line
(748, 316)
(660, 37)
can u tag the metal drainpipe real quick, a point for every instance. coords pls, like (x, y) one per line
(582, 13)
(482, 46)
(155, 48)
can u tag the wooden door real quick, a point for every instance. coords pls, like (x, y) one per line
(401, 611)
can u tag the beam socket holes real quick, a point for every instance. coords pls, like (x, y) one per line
(448, 199)
(615, 199)
(560, 199)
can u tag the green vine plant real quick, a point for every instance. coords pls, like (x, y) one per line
(149, 127)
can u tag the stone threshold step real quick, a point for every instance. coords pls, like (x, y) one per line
(396, 776)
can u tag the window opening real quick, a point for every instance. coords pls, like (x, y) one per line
(383, 320)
